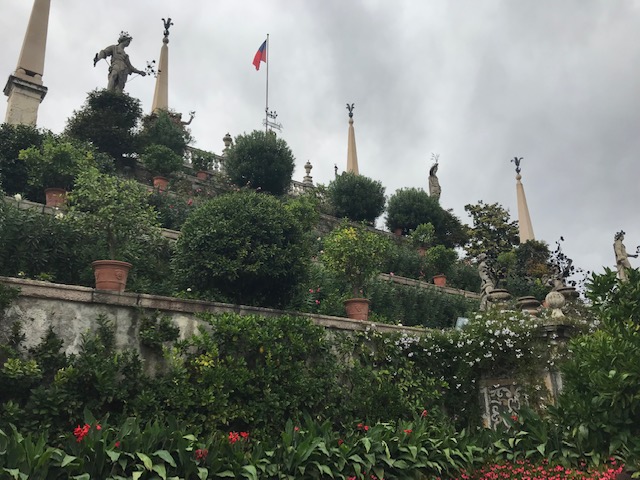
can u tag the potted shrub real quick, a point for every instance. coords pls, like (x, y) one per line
(201, 162)
(423, 237)
(161, 161)
(117, 211)
(440, 259)
(355, 253)
(54, 166)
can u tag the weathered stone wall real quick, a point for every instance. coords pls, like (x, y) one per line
(72, 310)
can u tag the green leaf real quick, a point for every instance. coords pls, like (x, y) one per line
(161, 470)
(67, 460)
(166, 456)
(84, 476)
(136, 475)
(226, 473)
(148, 464)
(250, 472)
(203, 473)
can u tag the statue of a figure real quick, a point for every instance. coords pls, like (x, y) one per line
(556, 278)
(486, 277)
(434, 184)
(120, 67)
(622, 257)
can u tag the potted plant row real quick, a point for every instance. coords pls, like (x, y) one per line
(356, 254)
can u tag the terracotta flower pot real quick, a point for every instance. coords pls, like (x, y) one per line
(440, 280)
(398, 232)
(202, 175)
(55, 197)
(357, 308)
(111, 274)
(161, 183)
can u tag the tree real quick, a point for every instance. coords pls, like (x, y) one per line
(109, 121)
(410, 207)
(161, 129)
(13, 171)
(260, 161)
(493, 232)
(243, 247)
(356, 197)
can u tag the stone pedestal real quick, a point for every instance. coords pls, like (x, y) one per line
(24, 100)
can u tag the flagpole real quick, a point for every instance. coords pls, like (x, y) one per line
(266, 108)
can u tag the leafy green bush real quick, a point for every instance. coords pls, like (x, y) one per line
(172, 209)
(160, 129)
(354, 253)
(260, 161)
(161, 160)
(600, 403)
(356, 197)
(13, 172)
(56, 163)
(108, 120)
(244, 248)
(410, 207)
(40, 246)
(416, 306)
(113, 209)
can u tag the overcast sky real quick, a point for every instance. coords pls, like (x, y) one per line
(477, 82)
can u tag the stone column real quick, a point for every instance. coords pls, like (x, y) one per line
(24, 88)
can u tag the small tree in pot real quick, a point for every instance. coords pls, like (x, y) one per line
(357, 254)
(440, 259)
(161, 161)
(423, 237)
(54, 166)
(117, 210)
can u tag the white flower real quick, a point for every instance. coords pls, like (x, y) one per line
(59, 216)
(18, 197)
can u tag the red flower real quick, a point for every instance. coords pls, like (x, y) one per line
(81, 432)
(514, 418)
(98, 427)
(408, 431)
(190, 202)
(244, 435)
(424, 413)
(296, 429)
(340, 442)
(117, 444)
(233, 437)
(201, 454)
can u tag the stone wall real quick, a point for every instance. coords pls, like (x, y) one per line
(72, 310)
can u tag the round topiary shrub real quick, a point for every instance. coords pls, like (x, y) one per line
(356, 197)
(260, 161)
(242, 247)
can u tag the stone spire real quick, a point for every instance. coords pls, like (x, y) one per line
(161, 94)
(524, 220)
(24, 88)
(352, 154)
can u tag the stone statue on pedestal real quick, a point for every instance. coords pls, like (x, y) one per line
(434, 183)
(486, 277)
(622, 257)
(120, 67)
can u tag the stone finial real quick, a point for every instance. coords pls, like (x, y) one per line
(525, 227)
(228, 141)
(555, 301)
(308, 180)
(352, 154)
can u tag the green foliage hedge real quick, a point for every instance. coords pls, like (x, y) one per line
(260, 161)
(243, 247)
(356, 197)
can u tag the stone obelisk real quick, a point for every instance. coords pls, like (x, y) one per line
(352, 154)
(525, 227)
(24, 88)
(161, 93)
